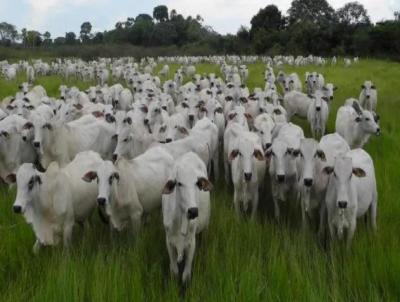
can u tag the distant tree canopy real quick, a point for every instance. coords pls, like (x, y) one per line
(308, 27)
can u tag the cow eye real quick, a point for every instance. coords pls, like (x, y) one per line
(262, 132)
(30, 184)
(179, 184)
(367, 119)
(126, 140)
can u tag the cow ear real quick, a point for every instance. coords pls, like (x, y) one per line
(328, 170)
(233, 154)
(89, 176)
(169, 187)
(231, 116)
(11, 178)
(183, 130)
(204, 184)
(258, 154)
(335, 88)
(219, 110)
(359, 172)
(321, 155)
(248, 116)
(78, 106)
(363, 86)
(98, 114)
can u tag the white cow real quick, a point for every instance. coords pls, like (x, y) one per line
(317, 115)
(355, 124)
(186, 211)
(131, 188)
(351, 193)
(52, 202)
(248, 170)
(368, 96)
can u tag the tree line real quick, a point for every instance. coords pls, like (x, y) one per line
(308, 27)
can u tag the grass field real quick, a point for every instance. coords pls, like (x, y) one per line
(236, 260)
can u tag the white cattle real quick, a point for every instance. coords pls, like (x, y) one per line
(186, 211)
(355, 124)
(317, 115)
(60, 142)
(52, 202)
(131, 188)
(368, 96)
(263, 126)
(248, 170)
(282, 157)
(291, 83)
(296, 103)
(351, 193)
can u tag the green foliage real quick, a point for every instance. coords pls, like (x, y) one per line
(160, 13)
(236, 259)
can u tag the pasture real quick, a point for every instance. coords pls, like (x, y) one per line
(235, 260)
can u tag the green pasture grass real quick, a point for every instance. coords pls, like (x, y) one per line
(236, 259)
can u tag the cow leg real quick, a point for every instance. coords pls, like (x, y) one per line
(254, 205)
(187, 272)
(350, 232)
(173, 266)
(373, 210)
(136, 219)
(36, 247)
(322, 214)
(236, 201)
(67, 234)
(216, 165)
(227, 172)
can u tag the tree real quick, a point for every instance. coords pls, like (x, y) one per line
(46, 35)
(8, 33)
(98, 37)
(317, 12)
(143, 17)
(397, 15)
(34, 38)
(160, 13)
(353, 13)
(268, 18)
(86, 28)
(70, 38)
(24, 36)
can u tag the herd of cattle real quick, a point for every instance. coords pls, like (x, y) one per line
(131, 150)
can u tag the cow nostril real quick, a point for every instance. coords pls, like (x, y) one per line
(281, 178)
(146, 121)
(36, 144)
(308, 182)
(368, 96)
(17, 209)
(168, 140)
(24, 138)
(318, 108)
(191, 117)
(247, 176)
(164, 108)
(267, 146)
(93, 100)
(192, 213)
(63, 98)
(101, 201)
(378, 131)
(342, 204)
(114, 157)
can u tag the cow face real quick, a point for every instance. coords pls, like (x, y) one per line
(367, 89)
(309, 156)
(340, 180)
(246, 151)
(107, 178)
(28, 182)
(367, 122)
(125, 144)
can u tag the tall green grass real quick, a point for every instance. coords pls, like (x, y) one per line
(236, 260)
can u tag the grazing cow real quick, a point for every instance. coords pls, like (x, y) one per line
(54, 200)
(282, 157)
(351, 193)
(248, 170)
(317, 115)
(186, 211)
(131, 188)
(355, 124)
(368, 96)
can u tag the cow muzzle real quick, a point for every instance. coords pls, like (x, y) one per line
(101, 201)
(36, 144)
(247, 176)
(281, 178)
(17, 209)
(308, 182)
(342, 204)
(192, 213)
